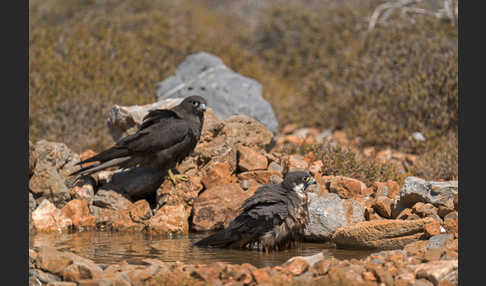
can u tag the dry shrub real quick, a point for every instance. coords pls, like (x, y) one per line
(341, 161)
(439, 162)
(381, 86)
(318, 65)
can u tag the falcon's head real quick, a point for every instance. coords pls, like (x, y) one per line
(196, 104)
(298, 181)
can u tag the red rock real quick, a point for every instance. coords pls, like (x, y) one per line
(296, 162)
(261, 177)
(369, 276)
(425, 210)
(79, 271)
(250, 159)
(389, 188)
(237, 273)
(383, 205)
(104, 217)
(101, 282)
(368, 192)
(405, 279)
(217, 174)
(432, 228)
(51, 260)
(62, 283)
(125, 223)
(450, 224)
(446, 283)
(261, 275)
(217, 206)
(310, 157)
(170, 220)
(78, 212)
(456, 202)
(140, 211)
(346, 275)
(383, 275)
(48, 218)
(290, 128)
(445, 210)
(436, 271)
(310, 140)
(183, 193)
(111, 199)
(322, 267)
(296, 266)
(137, 277)
(344, 187)
(293, 139)
(340, 137)
(207, 273)
(396, 258)
(416, 248)
(407, 214)
(84, 192)
(384, 155)
(433, 254)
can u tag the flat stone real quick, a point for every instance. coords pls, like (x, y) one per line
(379, 234)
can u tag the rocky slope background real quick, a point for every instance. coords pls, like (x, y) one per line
(372, 113)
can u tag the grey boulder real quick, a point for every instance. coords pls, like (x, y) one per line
(329, 212)
(416, 190)
(227, 93)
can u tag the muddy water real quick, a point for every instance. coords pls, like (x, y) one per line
(113, 247)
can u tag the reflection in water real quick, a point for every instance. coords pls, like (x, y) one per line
(113, 247)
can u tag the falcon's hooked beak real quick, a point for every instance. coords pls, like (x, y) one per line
(202, 107)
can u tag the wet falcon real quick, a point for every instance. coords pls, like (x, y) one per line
(164, 139)
(272, 219)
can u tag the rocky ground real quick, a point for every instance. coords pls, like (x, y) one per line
(414, 223)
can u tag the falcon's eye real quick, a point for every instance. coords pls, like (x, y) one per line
(195, 103)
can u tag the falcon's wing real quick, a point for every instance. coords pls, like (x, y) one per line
(268, 207)
(158, 134)
(157, 115)
(263, 211)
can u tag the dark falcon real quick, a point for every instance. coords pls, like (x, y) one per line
(165, 138)
(273, 218)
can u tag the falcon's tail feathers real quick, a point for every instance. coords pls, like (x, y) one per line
(106, 155)
(220, 239)
(94, 168)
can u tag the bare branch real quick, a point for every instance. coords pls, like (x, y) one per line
(449, 11)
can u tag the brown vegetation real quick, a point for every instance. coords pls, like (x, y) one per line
(318, 64)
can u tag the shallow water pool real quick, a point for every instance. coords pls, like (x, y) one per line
(113, 247)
